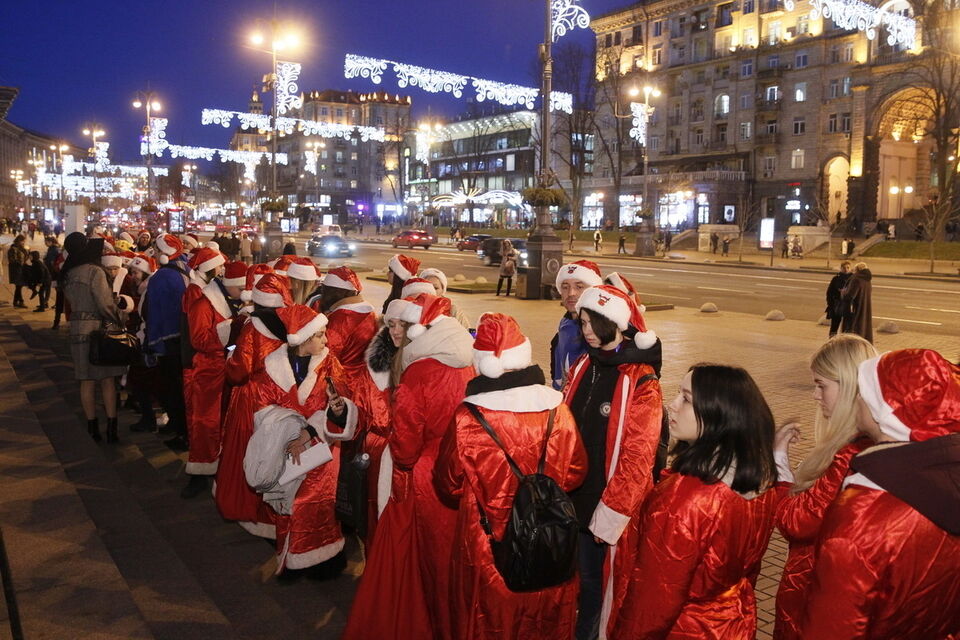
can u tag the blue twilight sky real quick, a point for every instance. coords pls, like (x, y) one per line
(77, 62)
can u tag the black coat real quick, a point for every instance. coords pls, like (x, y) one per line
(858, 308)
(834, 298)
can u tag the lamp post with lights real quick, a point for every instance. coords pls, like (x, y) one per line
(58, 150)
(147, 100)
(316, 146)
(94, 132)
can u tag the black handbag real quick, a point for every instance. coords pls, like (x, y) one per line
(351, 505)
(111, 347)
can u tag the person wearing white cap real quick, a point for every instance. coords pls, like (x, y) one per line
(568, 345)
(438, 279)
(472, 472)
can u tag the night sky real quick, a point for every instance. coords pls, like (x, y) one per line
(77, 62)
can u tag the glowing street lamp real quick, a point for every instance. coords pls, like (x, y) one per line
(316, 146)
(94, 131)
(147, 100)
(58, 151)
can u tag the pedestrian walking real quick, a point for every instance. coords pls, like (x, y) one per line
(818, 480)
(246, 249)
(714, 241)
(707, 523)
(888, 555)
(39, 280)
(835, 309)
(508, 265)
(567, 344)
(622, 244)
(891, 232)
(856, 299)
(918, 232)
(597, 241)
(725, 246)
(796, 247)
(256, 248)
(17, 256)
(92, 308)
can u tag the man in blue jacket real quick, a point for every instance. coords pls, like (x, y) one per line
(568, 345)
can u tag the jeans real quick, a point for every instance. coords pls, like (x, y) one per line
(592, 556)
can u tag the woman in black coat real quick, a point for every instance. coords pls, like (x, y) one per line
(857, 305)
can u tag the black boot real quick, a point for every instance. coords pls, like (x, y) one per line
(112, 436)
(196, 486)
(93, 428)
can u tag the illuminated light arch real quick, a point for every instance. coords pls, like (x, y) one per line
(857, 15)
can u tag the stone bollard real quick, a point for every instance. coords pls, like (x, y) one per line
(888, 327)
(459, 278)
(481, 280)
(708, 307)
(775, 315)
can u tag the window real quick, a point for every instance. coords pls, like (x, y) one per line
(681, 52)
(833, 124)
(773, 61)
(353, 156)
(700, 19)
(847, 85)
(511, 162)
(803, 24)
(696, 110)
(746, 68)
(796, 159)
(701, 77)
(772, 93)
(748, 6)
(725, 15)
(636, 36)
(339, 113)
(654, 143)
(658, 28)
(746, 99)
(848, 52)
(800, 92)
(354, 141)
(721, 105)
(353, 171)
(799, 126)
(353, 184)
(616, 38)
(749, 37)
(834, 90)
(771, 127)
(678, 26)
(658, 55)
(800, 60)
(723, 71)
(769, 166)
(698, 136)
(323, 154)
(724, 44)
(608, 40)
(834, 54)
(339, 156)
(324, 111)
(774, 32)
(746, 130)
(721, 133)
(845, 123)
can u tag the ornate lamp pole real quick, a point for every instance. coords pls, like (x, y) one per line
(148, 101)
(94, 131)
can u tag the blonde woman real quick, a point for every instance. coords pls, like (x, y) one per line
(818, 479)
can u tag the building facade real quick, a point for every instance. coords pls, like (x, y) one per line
(765, 108)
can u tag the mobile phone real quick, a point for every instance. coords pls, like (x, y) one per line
(332, 387)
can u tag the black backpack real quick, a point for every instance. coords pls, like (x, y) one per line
(539, 547)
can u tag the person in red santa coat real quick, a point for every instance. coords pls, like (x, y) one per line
(400, 268)
(706, 524)
(818, 478)
(472, 470)
(407, 574)
(211, 318)
(615, 398)
(302, 375)
(887, 563)
(258, 338)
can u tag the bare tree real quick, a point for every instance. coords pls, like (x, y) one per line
(612, 131)
(390, 154)
(821, 212)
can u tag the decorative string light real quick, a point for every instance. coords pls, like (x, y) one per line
(286, 89)
(434, 81)
(856, 15)
(289, 125)
(641, 116)
(567, 15)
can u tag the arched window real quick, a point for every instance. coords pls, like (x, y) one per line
(721, 106)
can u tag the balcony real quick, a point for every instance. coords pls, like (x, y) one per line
(768, 105)
(889, 57)
(674, 121)
(769, 74)
(720, 117)
(718, 145)
(695, 177)
(768, 138)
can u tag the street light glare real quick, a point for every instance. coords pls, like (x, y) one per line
(155, 105)
(257, 39)
(86, 132)
(137, 104)
(634, 92)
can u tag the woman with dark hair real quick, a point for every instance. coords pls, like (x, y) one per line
(400, 268)
(17, 256)
(616, 401)
(707, 523)
(92, 306)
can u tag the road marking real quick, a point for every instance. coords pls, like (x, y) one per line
(721, 289)
(887, 286)
(783, 286)
(660, 295)
(936, 324)
(933, 309)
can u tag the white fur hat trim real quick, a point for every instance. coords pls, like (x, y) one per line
(518, 357)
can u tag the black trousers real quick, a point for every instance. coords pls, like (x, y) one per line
(509, 280)
(171, 387)
(835, 324)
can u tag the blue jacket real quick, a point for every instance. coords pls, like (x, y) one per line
(164, 304)
(566, 348)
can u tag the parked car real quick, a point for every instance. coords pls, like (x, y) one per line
(471, 243)
(413, 238)
(330, 247)
(489, 251)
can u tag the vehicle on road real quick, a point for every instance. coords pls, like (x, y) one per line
(413, 238)
(472, 243)
(489, 251)
(327, 246)
(327, 229)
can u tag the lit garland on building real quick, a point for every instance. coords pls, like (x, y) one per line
(434, 81)
(288, 125)
(567, 15)
(856, 15)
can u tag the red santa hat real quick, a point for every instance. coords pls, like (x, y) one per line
(281, 264)
(423, 312)
(210, 244)
(272, 291)
(620, 282)
(342, 278)
(302, 268)
(206, 260)
(619, 308)
(913, 394)
(191, 240)
(403, 266)
(435, 273)
(500, 346)
(235, 274)
(170, 248)
(144, 263)
(126, 237)
(111, 260)
(301, 322)
(126, 257)
(583, 270)
(254, 274)
(396, 309)
(415, 286)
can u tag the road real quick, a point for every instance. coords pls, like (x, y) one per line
(916, 305)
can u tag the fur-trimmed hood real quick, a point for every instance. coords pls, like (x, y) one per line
(379, 358)
(446, 341)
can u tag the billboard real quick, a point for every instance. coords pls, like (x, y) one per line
(766, 233)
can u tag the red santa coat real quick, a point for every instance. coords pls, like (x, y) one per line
(404, 591)
(882, 570)
(633, 433)
(210, 319)
(192, 294)
(234, 497)
(799, 518)
(472, 468)
(697, 562)
(310, 533)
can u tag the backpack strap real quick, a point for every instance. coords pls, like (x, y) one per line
(493, 434)
(546, 438)
(663, 445)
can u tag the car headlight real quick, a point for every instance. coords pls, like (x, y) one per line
(330, 248)
(352, 247)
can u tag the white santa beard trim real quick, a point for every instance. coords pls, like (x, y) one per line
(235, 282)
(614, 308)
(202, 468)
(384, 480)
(530, 399)
(211, 291)
(869, 384)
(311, 558)
(277, 366)
(491, 366)
(270, 300)
(307, 330)
(302, 272)
(261, 529)
(223, 331)
(262, 329)
(336, 282)
(398, 269)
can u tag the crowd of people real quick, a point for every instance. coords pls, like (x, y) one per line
(282, 382)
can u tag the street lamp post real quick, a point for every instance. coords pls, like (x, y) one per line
(148, 101)
(58, 157)
(94, 131)
(316, 146)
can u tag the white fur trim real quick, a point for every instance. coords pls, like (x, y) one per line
(869, 383)
(398, 269)
(271, 300)
(617, 281)
(415, 331)
(645, 339)
(319, 422)
(223, 331)
(310, 381)
(127, 301)
(210, 244)
(126, 236)
(262, 328)
(246, 295)
(435, 273)
(312, 557)
(356, 307)
(202, 468)
(307, 330)
(784, 472)
(578, 272)
(397, 309)
(261, 529)
(140, 264)
(607, 524)
(211, 264)
(277, 366)
(212, 292)
(189, 240)
(384, 480)
(302, 272)
(414, 289)
(118, 280)
(336, 282)
(625, 391)
(380, 378)
(235, 282)
(163, 259)
(111, 261)
(165, 248)
(861, 480)
(529, 399)
(612, 307)
(518, 357)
